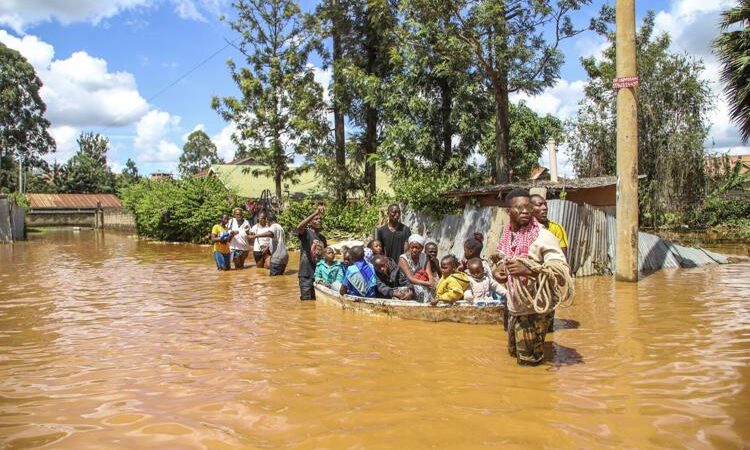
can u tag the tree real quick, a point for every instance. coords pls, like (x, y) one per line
(733, 48)
(87, 171)
(515, 48)
(673, 100)
(23, 128)
(281, 112)
(128, 176)
(198, 153)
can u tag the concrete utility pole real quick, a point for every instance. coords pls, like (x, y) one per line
(627, 144)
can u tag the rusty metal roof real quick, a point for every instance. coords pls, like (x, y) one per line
(73, 201)
(570, 185)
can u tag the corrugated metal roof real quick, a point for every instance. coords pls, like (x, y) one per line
(73, 201)
(654, 253)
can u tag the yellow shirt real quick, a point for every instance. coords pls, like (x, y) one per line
(221, 247)
(559, 232)
(451, 288)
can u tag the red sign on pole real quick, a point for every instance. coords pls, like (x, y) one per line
(626, 82)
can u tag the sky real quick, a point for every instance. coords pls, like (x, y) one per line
(143, 72)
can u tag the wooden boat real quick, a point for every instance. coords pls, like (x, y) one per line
(404, 309)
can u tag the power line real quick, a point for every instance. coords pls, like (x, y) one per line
(193, 69)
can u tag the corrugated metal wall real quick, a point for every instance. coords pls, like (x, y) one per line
(591, 233)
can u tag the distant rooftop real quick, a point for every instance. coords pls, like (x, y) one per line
(568, 185)
(73, 201)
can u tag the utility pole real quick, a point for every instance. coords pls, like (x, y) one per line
(627, 143)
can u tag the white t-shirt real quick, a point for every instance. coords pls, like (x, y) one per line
(267, 241)
(280, 254)
(240, 241)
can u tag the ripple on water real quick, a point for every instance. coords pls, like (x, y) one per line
(107, 341)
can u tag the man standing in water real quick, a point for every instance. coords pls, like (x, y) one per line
(393, 234)
(279, 254)
(309, 235)
(540, 214)
(530, 255)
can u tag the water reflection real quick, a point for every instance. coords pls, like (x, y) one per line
(108, 341)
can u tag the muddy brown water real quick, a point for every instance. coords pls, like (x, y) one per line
(111, 342)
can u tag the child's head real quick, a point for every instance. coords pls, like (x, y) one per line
(448, 265)
(380, 262)
(476, 268)
(357, 253)
(376, 246)
(472, 248)
(347, 258)
(329, 254)
(431, 249)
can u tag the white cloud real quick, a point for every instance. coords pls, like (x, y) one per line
(223, 140)
(65, 138)
(20, 14)
(150, 141)
(561, 100)
(80, 91)
(693, 25)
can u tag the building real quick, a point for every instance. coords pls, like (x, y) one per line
(161, 176)
(598, 191)
(80, 210)
(242, 176)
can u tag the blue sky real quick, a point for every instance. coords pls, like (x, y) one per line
(107, 65)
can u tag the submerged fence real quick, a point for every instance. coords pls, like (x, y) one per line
(11, 221)
(591, 234)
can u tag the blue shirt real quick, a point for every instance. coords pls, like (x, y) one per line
(360, 279)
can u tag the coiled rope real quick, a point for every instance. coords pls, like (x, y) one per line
(551, 287)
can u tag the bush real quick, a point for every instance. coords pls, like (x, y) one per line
(349, 220)
(183, 210)
(723, 212)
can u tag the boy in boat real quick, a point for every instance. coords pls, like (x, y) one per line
(452, 283)
(391, 282)
(531, 263)
(308, 232)
(328, 271)
(482, 286)
(359, 277)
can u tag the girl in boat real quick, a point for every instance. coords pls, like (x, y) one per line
(415, 265)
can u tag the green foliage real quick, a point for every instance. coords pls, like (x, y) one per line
(280, 114)
(422, 189)
(128, 176)
(19, 199)
(198, 153)
(341, 220)
(23, 128)
(673, 101)
(183, 210)
(87, 170)
(725, 212)
(733, 48)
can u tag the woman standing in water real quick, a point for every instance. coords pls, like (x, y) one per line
(239, 246)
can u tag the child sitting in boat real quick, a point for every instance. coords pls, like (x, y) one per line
(328, 271)
(452, 283)
(482, 286)
(374, 247)
(359, 277)
(391, 282)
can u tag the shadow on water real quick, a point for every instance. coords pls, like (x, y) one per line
(557, 356)
(566, 324)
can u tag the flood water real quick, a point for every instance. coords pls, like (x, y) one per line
(111, 342)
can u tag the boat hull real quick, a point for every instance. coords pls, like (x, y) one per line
(411, 310)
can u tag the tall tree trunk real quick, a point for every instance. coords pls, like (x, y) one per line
(277, 182)
(502, 135)
(338, 114)
(445, 119)
(371, 112)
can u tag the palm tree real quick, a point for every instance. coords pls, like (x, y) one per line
(733, 48)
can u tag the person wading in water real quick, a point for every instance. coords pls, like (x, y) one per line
(309, 235)
(531, 263)
(394, 234)
(540, 214)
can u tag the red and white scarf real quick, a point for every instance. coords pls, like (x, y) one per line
(512, 246)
